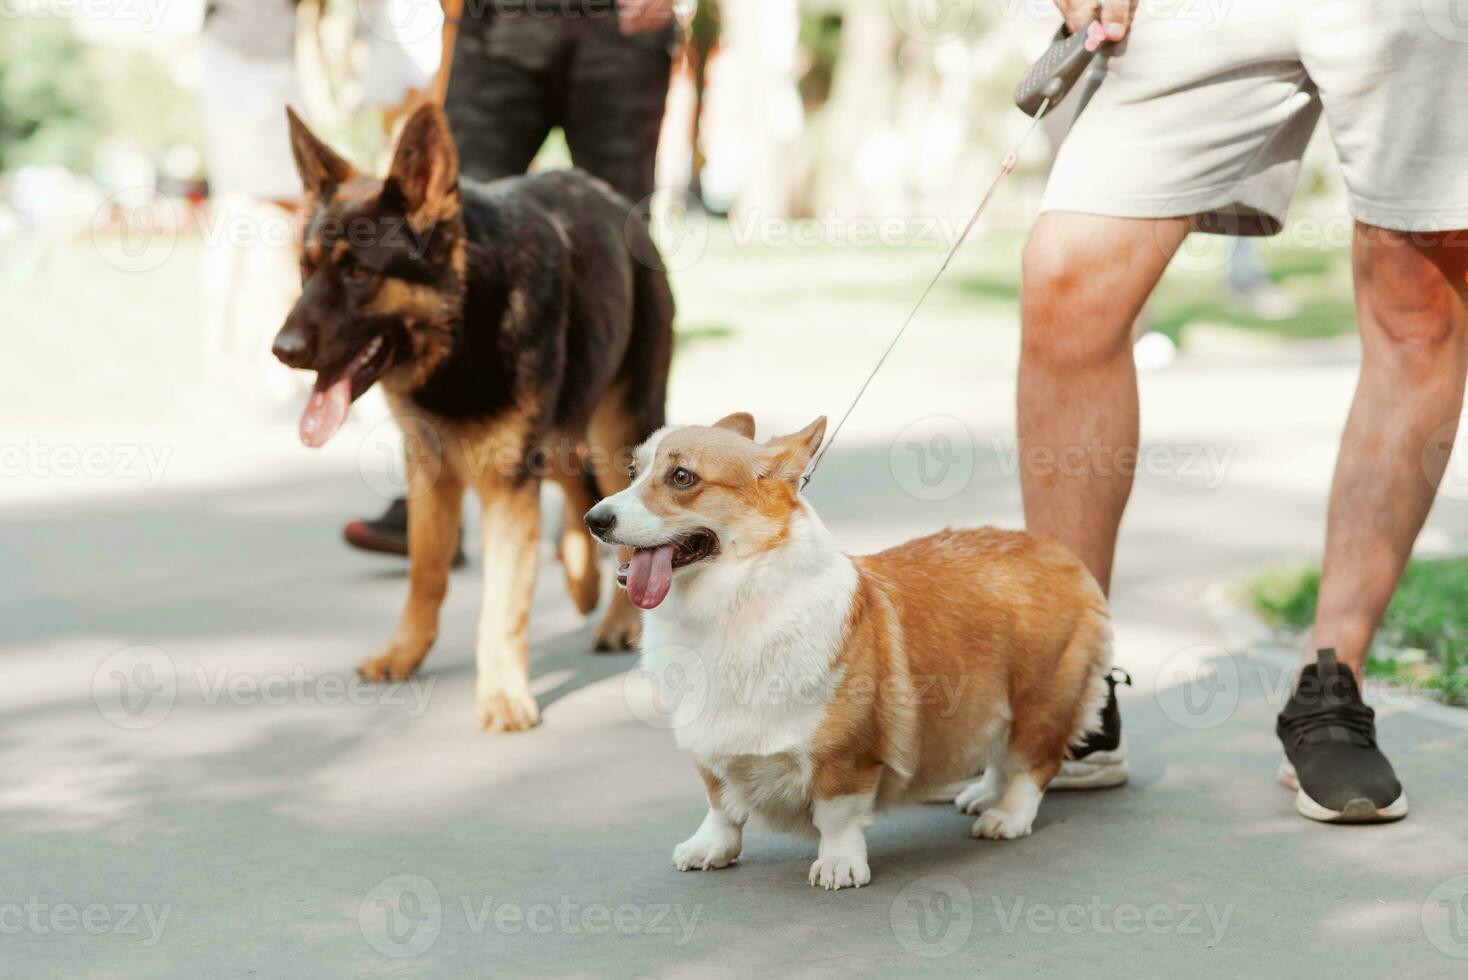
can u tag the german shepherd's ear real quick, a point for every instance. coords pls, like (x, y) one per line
(740, 422)
(321, 169)
(791, 454)
(425, 168)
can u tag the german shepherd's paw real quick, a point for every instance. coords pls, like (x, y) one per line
(620, 628)
(503, 711)
(397, 663)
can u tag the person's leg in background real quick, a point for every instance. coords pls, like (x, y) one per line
(616, 93)
(1085, 279)
(1410, 306)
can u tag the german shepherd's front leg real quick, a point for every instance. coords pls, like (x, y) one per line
(511, 527)
(436, 497)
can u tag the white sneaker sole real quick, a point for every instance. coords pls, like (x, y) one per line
(1099, 770)
(1356, 811)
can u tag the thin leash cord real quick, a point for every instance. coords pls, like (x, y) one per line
(1004, 169)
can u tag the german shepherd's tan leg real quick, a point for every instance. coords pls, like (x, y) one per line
(511, 528)
(436, 496)
(613, 433)
(580, 554)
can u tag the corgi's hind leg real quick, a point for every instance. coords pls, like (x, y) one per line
(1024, 787)
(982, 793)
(1023, 781)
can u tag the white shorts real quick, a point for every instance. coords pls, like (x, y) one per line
(1206, 109)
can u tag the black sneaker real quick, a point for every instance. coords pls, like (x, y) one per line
(1099, 761)
(1331, 758)
(388, 534)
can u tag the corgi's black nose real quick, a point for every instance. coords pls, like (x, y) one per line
(600, 520)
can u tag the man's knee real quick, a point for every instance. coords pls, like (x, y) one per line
(1408, 301)
(1066, 318)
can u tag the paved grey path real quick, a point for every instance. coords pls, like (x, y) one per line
(262, 823)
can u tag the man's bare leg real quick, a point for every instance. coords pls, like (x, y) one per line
(1086, 278)
(1410, 296)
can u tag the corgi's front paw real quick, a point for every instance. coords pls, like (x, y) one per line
(997, 824)
(840, 870)
(708, 849)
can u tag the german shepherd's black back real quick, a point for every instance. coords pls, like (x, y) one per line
(522, 330)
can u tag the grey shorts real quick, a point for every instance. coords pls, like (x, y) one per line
(1207, 106)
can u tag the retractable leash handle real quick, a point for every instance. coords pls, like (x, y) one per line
(1059, 68)
(1046, 83)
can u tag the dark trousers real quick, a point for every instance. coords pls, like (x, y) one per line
(517, 76)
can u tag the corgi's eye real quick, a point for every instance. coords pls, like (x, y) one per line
(682, 479)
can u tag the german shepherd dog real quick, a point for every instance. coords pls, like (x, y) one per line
(522, 330)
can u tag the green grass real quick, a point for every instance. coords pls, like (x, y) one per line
(1426, 623)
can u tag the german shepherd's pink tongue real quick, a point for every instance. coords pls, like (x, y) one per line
(650, 576)
(326, 411)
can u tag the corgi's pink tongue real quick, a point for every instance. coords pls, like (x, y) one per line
(326, 411)
(650, 576)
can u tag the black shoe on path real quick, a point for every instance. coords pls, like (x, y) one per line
(1331, 758)
(388, 534)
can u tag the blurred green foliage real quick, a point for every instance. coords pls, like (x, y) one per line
(61, 98)
(1428, 612)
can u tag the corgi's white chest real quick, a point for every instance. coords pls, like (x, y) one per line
(725, 699)
(753, 678)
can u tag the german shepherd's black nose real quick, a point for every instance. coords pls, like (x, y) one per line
(600, 520)
(291, 347)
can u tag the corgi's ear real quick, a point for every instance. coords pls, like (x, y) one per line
(425, 169)
(740, 422)
(792, 454)
(319, 166)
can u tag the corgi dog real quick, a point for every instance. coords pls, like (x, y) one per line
(816, 687)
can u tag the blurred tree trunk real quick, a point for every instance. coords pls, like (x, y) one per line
(853, 172)
(761, 109)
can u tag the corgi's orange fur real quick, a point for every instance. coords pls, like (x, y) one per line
(812, 687)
